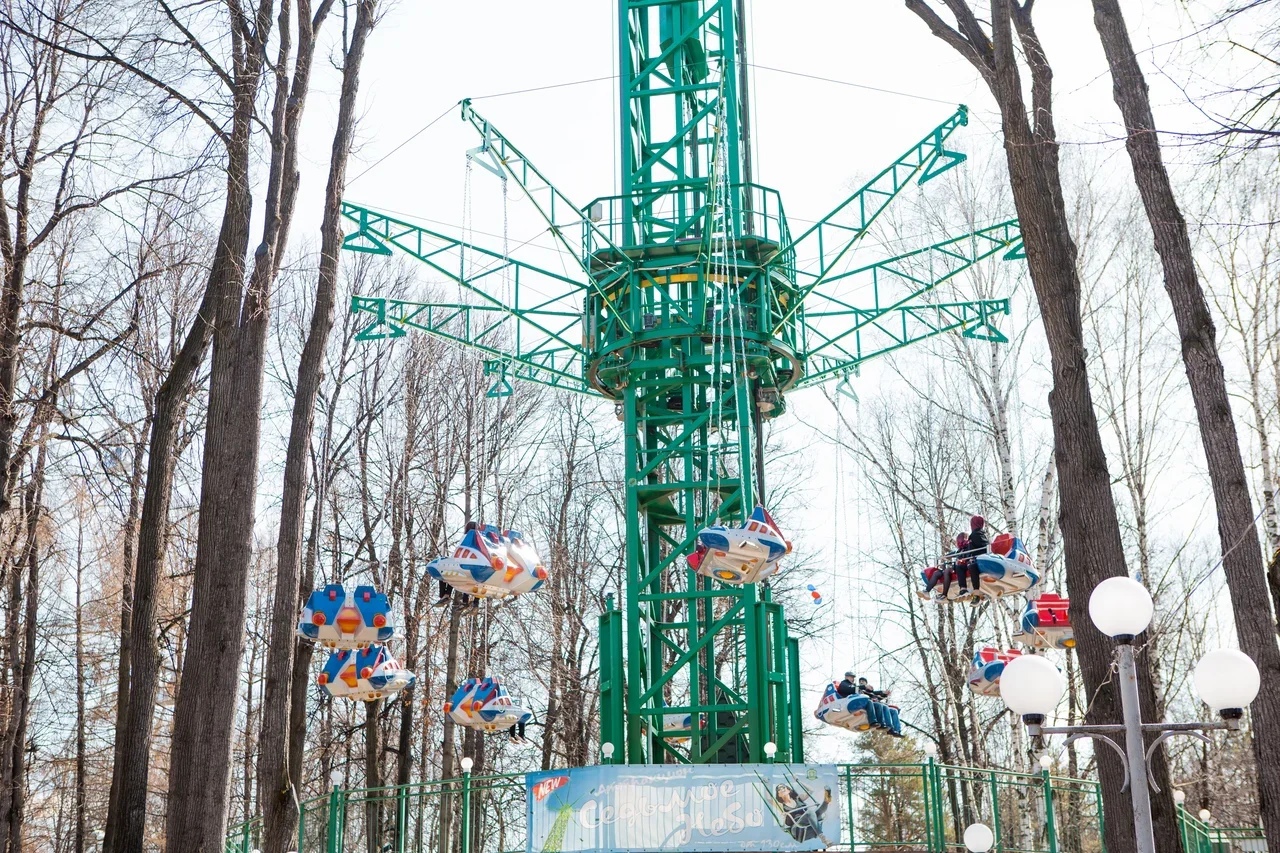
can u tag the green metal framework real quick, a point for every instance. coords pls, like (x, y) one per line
(693, 314)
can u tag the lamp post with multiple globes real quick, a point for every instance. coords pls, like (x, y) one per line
(1121, 608)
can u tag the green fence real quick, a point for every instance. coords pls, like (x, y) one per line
(886, 808)
(1200, 837)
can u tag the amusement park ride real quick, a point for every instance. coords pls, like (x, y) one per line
(695, 308)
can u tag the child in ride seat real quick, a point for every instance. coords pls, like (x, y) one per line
(950, 565)
(867, 690)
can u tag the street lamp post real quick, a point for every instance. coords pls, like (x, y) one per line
(337, 812)
(467, 764)
(1121, 608)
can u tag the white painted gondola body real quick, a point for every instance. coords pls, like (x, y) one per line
(844, 712)
(487, 564)
(1046, 623)
(363, 674)
(338, 619)
(741, 555)
(987, 667)
(1006, 567)
(484, 704)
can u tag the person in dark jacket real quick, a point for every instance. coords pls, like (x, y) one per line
(849, 686)
(977, 544)
(978, 534)
(867, 690)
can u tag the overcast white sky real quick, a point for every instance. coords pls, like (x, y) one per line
(812, 138)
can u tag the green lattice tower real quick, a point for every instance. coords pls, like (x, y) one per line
(686, 342)
(691, 315)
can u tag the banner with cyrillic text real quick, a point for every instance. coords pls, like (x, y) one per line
(715, 807)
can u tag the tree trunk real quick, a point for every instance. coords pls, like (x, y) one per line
(204, 719)
(81, 790)
(23, 660)
(280, 811)
(1092, 544)
(124, 664)
(1242, 553)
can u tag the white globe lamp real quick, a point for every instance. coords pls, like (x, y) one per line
(335, 778)
(930, 750)
(606, 749)
(1204, 815)
(770, 750)
(1121, 607)
(1032, 688)
(1227, 681)
(1046, 761)
(1179, 797)
(979, 838)
(467, 764)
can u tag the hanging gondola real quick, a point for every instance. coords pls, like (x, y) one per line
(988, 665)
(337, 619)
(1004, 568)
(1046, 623)
(489, 564)
(741, 555)
(858, 712)
(483, 704)
(363, 674)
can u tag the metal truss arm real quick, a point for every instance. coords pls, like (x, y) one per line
(553, 361)
(525, 317)
(376, 233)
(564, 218)
(829, 241)
(882, 332)
(839, 324)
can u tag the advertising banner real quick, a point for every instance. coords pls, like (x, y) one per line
(713, 807)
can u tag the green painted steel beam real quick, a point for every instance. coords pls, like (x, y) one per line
(860, 313)
(833, 236)
(553, 360)
(565, 220)
(901, 327)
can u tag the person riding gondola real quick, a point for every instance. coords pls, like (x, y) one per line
(976, 543)
(947, 569)
(867, 690)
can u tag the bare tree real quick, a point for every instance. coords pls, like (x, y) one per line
(205, 714)
(279, 781)
(1090, 527)
(1241, 550)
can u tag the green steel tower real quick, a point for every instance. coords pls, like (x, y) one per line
(688, 310)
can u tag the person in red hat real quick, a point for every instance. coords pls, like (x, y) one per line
(978, 544)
